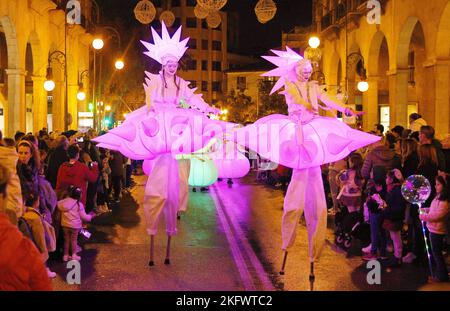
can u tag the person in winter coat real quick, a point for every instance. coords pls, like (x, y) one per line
(117, 163)
(436, 219)
(380, 155)
(415, 122)
(409, 157)
(426, 136)
(72, 216)
(14, 204)
(394, 213)
(56, 159)
(21, 266)
(75, 173)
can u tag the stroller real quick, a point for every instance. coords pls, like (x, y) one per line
(351, 226)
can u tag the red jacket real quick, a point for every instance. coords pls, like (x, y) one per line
(78, 175)
(21, 266)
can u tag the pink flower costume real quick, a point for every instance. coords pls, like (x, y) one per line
(304, 141)
(163, 129)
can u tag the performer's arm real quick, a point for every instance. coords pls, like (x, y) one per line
(323, 96)
(150, 85)
(196, 101)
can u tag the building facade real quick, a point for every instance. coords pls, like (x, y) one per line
(210, 49)
(406, 57)
(30, 31)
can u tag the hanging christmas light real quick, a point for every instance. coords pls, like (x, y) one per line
(214, 19)
(212, 5)
(265, 10)
(167, 17)
(145, 12)
(200, 12)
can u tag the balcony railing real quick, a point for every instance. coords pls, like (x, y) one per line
(339, 11)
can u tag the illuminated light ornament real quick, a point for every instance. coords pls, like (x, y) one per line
(230, 161)
(213, 20)
(167, 17)
(200, 12)
(145, 12)
(265, 10)
(212, 5)
(203, 172)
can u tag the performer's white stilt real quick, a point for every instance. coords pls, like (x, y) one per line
(167, 260)
(305, 193)
(312, 277)
(284, 263)
(152, 246)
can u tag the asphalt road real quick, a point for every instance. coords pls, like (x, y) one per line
(229, 240)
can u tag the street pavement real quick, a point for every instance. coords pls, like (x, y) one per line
(228, 240)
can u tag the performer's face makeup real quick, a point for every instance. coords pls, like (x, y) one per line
(171, 67)
(303, 72)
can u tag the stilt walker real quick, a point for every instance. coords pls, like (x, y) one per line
(305, 141)
(173, 122)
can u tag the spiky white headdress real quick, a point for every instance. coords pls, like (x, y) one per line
(165, 45)
(285, 62)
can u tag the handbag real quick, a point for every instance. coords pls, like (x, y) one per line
(50, 236)
(49, 232)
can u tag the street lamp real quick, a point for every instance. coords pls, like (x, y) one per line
(98, 44)
(314, 42)
(363, 85)
(108, 108)
(119, 64)
(81, 95)
(49, 84)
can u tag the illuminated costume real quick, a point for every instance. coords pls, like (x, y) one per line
(162, 129)
(304, 141)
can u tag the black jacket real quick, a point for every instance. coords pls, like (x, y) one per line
(57, 158)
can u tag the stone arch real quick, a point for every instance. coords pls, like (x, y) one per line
(11, 111)
(404, 41)
(334, 69)
(373, 62)
(443, 34)
(442, 73)
(11, 41)
(413, 79)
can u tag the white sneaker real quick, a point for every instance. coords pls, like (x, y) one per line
(367, 249)
(50, 273)
(409, 258)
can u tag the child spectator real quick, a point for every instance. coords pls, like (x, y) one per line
(393, 213)
(375, 204)
(351, 183)
(436, 219)
(72, 217)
